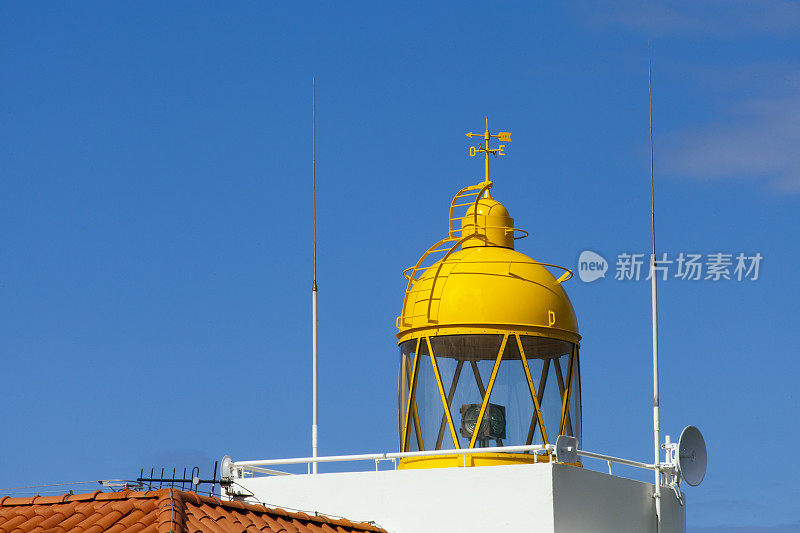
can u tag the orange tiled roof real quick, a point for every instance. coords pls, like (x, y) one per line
(158, 511)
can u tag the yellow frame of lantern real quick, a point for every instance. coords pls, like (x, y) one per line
(411, 413)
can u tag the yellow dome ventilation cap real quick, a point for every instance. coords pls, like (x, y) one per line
(489, 225)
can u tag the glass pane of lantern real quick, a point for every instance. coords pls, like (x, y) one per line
(551, 399)
(447, 371)
(543, 354)
(575, 400)
(429, 401)
(511, 392)
(471, 347)
(561, 379)
(470, 358)
(404, 381)
(484, 372)
(466, 394)
(534, 432)
(543, 347)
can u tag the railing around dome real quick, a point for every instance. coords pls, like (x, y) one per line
(446, 246)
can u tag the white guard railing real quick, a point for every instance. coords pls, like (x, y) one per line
(258, 465)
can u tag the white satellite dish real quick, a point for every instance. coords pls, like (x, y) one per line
(692, 456)
(226, 469)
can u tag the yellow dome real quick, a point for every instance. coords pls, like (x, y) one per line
(488, 289)
(486, 285)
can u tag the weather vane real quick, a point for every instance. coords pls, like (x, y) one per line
(502, 136)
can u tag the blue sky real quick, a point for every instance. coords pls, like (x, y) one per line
(155, 261)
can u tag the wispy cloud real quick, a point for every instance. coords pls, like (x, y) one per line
(758, 137)
(767, 79)
(690, 17)
(758, 140)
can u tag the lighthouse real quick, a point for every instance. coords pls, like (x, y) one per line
(489, 422)
(489, 342)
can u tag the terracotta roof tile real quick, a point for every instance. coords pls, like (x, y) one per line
(271, 522)
(81, 497)
(123, 495)
(288, 526)
(53, 520)
(48, 499)
(128, 523)
(159, 511)
(113, 515)
(31, 523)
(17, 501)
(247, 523)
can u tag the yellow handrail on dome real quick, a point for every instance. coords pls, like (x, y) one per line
(466, 192)
(448, 245)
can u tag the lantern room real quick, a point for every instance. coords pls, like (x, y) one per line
(488, 338)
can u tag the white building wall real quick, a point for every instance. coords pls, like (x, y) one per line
(535, 498)
(585, 500)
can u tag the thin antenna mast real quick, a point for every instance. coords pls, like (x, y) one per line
(656, 408)
(314, 427)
